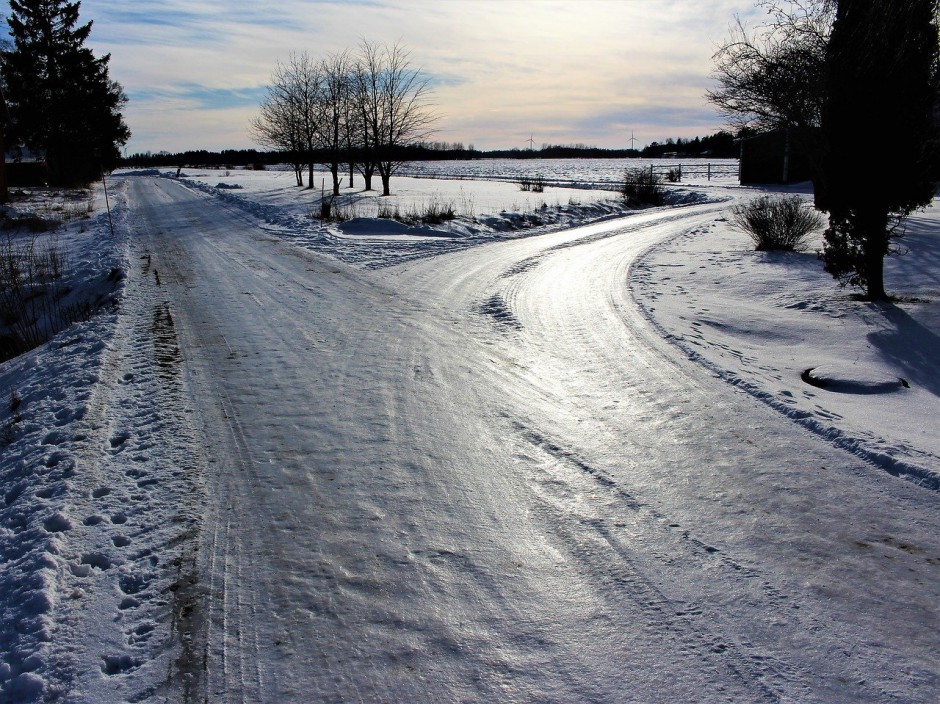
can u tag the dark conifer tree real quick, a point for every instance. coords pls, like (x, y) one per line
(61, 100)
(880, 62)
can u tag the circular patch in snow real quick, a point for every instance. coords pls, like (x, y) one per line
(853, 379)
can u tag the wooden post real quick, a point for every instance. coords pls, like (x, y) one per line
(709, 171)
(107, 201)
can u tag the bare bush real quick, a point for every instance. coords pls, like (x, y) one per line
(432, 213)
(388, 212)
(331, 209)
(535, 184)
(781, 223)
(642, 187)
(32, 293)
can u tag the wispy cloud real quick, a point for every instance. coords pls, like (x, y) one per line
(197, 97)
(586, 71)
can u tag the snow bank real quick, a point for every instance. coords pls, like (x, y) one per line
(100, 490)
(46, 396)
(778, 327)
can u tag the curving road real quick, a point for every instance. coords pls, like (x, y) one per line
(482, 476)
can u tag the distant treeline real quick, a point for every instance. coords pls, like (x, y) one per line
(719, 146)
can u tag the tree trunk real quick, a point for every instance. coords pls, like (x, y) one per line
(367, 169)
(876, 248)
(334, 170)
(352, 172)
(310, 176)
(385, 171)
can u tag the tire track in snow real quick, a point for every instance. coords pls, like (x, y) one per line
(721, 637)
(225, 615)
(233, 611)
(598, 532)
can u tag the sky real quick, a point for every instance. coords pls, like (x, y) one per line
(579, 71)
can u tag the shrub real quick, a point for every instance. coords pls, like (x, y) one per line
(434, 212)
(642, 187)
(32, 294)
(536, 183)
(333, 210)
(387, 212)
(779, 223)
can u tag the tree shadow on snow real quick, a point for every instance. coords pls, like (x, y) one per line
(910, 346)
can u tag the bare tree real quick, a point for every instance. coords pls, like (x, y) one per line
(289, 115)
(365, 111)
(364, 88)
(335, 96)
(393, 104)
(352, 134)
(277, 127)
(774, 77)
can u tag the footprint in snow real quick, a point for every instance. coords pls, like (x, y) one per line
(57, 523)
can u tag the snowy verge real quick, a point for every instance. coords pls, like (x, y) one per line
(46, 396)
(776, 326)
(96, 518)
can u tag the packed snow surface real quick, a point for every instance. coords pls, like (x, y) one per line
(550, 450)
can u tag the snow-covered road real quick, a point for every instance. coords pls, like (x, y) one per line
(483, 476)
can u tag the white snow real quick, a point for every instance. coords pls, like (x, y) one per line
(494, 459)
(764, 320)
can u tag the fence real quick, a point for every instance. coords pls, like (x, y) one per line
(676, 172)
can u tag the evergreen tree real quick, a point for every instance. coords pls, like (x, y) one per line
(880, 71)
(61, 100)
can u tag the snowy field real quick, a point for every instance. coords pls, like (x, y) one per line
(574, 172)
(720, 571)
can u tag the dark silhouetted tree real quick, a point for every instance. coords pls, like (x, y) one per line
(881, 62)
(393, 104)
(62, 102)
(336, 91)
(291, 110)
(773, 78)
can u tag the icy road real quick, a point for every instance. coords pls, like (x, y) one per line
(484, 476)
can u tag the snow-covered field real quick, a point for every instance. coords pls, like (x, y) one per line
(490, 459)
(574, 172)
